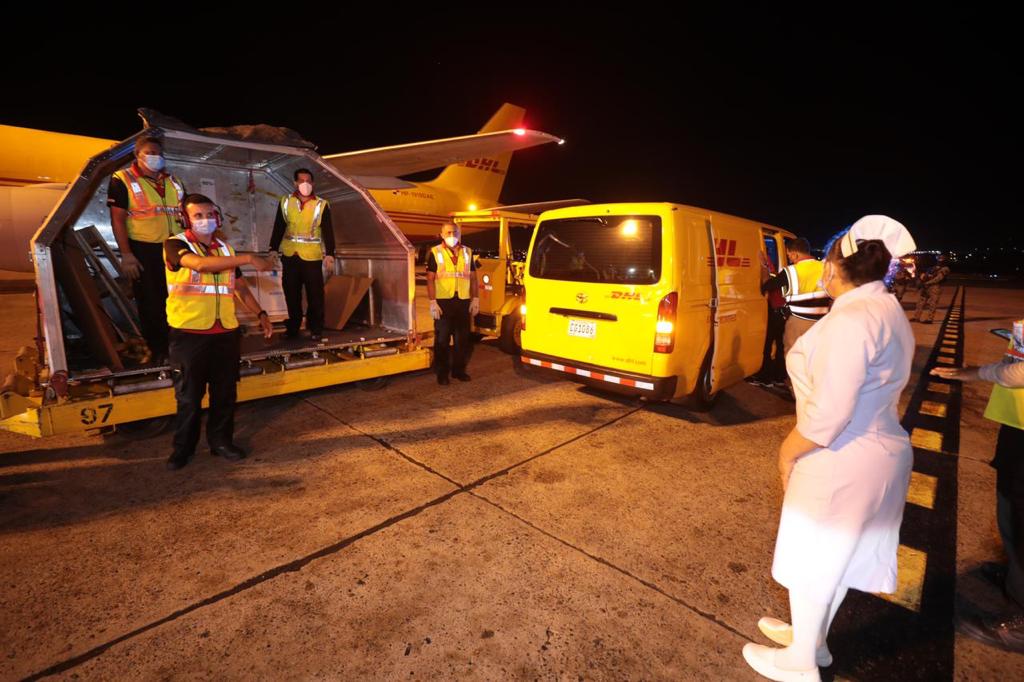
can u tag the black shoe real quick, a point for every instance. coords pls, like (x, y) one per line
(758, 380)
(232, 453)
(1005, 633)
(461, 376)
(442, 380)
(177, 461)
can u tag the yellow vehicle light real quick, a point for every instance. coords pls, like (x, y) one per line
(664, 327)
(522, 309)
(629, 228)
(487, 279)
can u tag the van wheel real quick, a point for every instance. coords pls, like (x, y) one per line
(702, 399)
(511, 340)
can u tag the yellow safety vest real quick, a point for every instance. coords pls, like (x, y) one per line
(452, 276)
(803, 292)
(195, 300)
(302, 236)
(1006, 405)
(152, 218)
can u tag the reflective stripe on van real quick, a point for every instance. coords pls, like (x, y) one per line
(558, 367)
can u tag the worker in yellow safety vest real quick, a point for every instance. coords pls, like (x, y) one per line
(800, 283)
(1005, 406)
(204, 278)
(454, 300)
(304, 236)
(144, 201)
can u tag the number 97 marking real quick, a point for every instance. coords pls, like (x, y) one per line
(100, 414)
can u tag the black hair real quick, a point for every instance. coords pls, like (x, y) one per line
(869, 263)
(196, 198)
(798, 245)
(301, 171)
(149, 138)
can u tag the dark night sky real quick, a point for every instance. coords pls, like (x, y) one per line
(805, 126)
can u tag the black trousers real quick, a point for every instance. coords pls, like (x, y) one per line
(297, 274)
(1009, 464)
(150, 291)
(454, 324)
(773, 365)
(199, 361)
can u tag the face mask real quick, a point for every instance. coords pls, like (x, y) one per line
(451, 241)
(154, 162)
(305, 189)
(204, 226)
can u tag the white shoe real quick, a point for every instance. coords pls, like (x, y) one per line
(762, 659)
(782, 633)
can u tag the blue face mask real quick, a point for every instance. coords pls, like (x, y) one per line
(154, 162)
(204, 226)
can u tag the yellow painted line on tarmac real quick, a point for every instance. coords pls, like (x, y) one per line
(926, 439)
(936, 387)
(945, 361)
(909, 578)
(932, 408)
(922, 490)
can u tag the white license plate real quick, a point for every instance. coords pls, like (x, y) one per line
(586, 330)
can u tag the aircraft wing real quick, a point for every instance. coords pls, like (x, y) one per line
(402, 159)
(540, 206)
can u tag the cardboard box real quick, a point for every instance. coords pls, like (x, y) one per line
(342, 295)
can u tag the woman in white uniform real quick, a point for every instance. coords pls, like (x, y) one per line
(846, 465)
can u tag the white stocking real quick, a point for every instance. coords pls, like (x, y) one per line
(837, 600)
(810, 617)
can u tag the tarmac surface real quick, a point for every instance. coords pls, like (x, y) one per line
(517, 526)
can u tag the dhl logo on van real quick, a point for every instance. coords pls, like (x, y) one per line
(625, 295)
(484, 165)
(725, 250)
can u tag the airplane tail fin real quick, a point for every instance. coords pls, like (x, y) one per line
(479, 181)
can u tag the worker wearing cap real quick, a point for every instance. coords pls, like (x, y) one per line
(304, 236)
(203, 281)
(144, 201)
(452, 290)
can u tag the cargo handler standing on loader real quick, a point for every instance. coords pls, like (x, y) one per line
(203, 280)
(145, 205)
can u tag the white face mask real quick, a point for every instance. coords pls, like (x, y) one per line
(305, 188)
(204, 226)
(154, 162)
(451, 241)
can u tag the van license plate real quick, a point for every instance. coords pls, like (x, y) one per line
(586, 330)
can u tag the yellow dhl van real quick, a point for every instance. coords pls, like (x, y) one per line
(652, 299)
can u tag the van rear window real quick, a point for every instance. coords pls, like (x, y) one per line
(612, 249)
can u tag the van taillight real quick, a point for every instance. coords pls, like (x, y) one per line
(522, 312)
(665, 332)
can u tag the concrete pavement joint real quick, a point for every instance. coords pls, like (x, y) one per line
(298, 564)
(604, 562)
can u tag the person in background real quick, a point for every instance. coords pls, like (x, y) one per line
(931, 290)
(1005, 406)
(304, 235)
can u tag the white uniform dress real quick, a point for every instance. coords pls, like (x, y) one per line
(843, 507)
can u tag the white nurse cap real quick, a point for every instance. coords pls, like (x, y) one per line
(891, 232)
